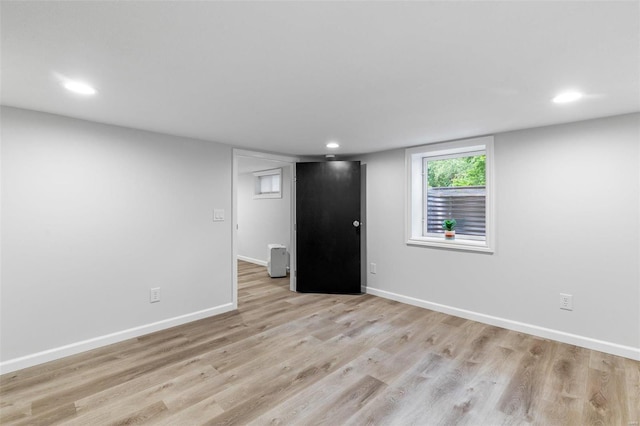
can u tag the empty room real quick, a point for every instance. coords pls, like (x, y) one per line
(320, 212)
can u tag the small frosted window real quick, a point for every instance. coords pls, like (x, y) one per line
(268, 184)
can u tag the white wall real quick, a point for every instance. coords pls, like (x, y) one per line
(262, 221)
(568, 214)
(93, 216)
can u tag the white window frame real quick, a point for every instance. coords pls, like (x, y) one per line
(257, 183)
(416, 194)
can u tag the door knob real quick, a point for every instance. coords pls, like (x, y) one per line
(356, 223)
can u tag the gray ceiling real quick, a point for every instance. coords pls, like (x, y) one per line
(288, 76)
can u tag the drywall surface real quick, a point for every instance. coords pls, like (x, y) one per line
(262, 221)
(93, 216)
(567, 221)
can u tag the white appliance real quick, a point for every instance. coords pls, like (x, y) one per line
(277, 260)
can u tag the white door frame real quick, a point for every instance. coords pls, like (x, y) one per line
(238, 153)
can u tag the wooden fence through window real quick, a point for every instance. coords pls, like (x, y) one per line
(465, 204)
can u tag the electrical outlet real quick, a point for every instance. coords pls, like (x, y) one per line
(373, 268)
(566, 302)
(154, 295)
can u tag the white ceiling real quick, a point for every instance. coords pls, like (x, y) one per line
(288, 76)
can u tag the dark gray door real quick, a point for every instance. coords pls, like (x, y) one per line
(328, 227)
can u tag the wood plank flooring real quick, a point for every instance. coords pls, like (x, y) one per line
(305, 359)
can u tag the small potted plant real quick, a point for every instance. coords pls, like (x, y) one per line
(449, 229)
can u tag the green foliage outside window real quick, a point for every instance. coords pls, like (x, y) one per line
(462, 171)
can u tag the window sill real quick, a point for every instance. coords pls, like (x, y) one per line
(274, 195)
(457, 244)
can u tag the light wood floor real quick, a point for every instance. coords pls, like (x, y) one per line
(303, 359)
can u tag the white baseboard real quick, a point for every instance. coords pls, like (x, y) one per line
(547, 333)
(252, 260)
(96, 342)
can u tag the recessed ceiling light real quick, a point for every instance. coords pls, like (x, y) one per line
(565, 97)
(333, 145)
(79, 87)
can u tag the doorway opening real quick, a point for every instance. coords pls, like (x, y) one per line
(263, 210)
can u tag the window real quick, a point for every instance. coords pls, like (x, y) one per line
(448, 181)
(268, 184)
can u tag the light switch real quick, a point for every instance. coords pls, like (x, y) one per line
(218, 215)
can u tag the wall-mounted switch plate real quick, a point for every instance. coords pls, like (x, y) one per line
(373, 268)
(218, 215)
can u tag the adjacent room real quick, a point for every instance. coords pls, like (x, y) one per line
(327, 212)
